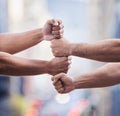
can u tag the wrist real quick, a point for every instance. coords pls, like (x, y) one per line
(36, 34)
(49, 68)
(74, 87)
(42, 34)
(76, 83)
(78, 49)
(72, 48)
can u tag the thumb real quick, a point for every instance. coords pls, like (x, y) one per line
(53, 22)
(58, 77)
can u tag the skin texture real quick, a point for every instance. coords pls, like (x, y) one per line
(105, 76)
(104, 50)
(16, 42)
(12, 65)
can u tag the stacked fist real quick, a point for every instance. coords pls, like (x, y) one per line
(53, 31)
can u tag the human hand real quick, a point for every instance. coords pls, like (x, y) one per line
(58, 65)
(62, 83)
(61, 48)
(53, 29)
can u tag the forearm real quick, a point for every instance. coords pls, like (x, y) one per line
(13, 43)
(108, 75)
(105, 50)
(16, 66)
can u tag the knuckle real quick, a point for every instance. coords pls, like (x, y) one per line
(60, 21)
(52, 32)
(52, 20)
(61, 26)
(57, 35)
(59, 32)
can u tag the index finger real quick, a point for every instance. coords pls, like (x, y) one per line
(53, 22)
(57, 77)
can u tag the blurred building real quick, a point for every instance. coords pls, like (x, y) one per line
(115, 96)
(101, 26)
(5, 105)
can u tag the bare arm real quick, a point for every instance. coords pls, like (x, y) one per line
(16, 42)
(16, 66)
(105, 76)
(104, 50)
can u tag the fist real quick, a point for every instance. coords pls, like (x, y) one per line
(58, 65)
(53, 29)
(61, 48)
(62, 83)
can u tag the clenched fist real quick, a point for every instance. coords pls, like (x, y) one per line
(53, 29)
(62, 83)
(61, 48)
(58, 65)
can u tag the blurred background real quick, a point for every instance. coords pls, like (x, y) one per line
(84, 21)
